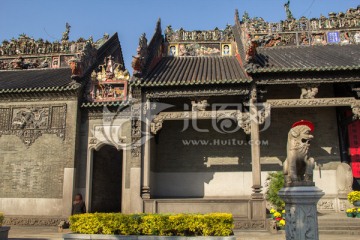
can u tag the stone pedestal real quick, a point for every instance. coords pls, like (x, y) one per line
(4, 232)
(301, 212)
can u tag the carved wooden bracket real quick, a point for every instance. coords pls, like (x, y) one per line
(356, 111)
(308, 91)
(244, 121)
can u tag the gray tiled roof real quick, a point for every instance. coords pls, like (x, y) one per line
(175, 71)
(35, 80)
(307, 58)
(105, 104)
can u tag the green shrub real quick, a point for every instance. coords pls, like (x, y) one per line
(212, 224)
(275, 181)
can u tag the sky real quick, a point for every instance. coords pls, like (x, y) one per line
(130, 18)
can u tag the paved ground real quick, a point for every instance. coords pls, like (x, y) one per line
(30, 233)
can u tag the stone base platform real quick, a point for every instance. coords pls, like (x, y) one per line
(33, 220)
(249, 214)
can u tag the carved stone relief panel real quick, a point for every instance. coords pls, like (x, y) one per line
(30, 122)
(326, 204)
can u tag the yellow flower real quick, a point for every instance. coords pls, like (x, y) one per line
(349, 210)
(282, 223)
(353, 196)
(283, 211)
(277, 214)
(272, 210)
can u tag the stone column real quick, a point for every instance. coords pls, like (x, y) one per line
(89, 171)
(145, 189)
(301, 212)
(255, 146)
(68, 190)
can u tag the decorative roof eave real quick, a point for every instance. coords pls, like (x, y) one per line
(41, 89)
(282, 81)
(105, 104)
(208, 83)
(148, 55)
(306, 69)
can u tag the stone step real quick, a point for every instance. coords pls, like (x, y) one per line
(339, 224)
(339, 232)
(331, 227)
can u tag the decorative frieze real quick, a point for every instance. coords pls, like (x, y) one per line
(243, 118)
(337, 28)
(326, 204)
(319, 102)
(30, 122)
(109, 82)
(240, 224)
(243, 91)
(215, 35)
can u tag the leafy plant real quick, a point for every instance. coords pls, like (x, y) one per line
(212, 224)
(275, 181)
(353, 196)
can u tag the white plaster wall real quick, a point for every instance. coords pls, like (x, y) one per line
(222, 184)
(326, 181)
(202, 184)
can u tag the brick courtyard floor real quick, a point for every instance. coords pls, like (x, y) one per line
(28, 233)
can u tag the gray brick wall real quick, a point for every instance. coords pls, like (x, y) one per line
(37, 171)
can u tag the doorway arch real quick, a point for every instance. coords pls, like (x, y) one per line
(105, 179)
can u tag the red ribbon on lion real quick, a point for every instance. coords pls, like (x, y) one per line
(304, 122)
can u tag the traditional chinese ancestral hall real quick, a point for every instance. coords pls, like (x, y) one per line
(197, 128)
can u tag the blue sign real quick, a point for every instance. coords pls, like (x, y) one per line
(333, 37)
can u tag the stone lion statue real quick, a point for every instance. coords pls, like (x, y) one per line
(298, 167)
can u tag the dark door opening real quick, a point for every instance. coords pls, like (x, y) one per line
(106, 180)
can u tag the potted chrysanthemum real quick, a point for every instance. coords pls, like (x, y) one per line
(350, 212)
(354, 198)
(357, 213)
(4, 231)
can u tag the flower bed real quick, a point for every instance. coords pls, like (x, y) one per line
(213, 224)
